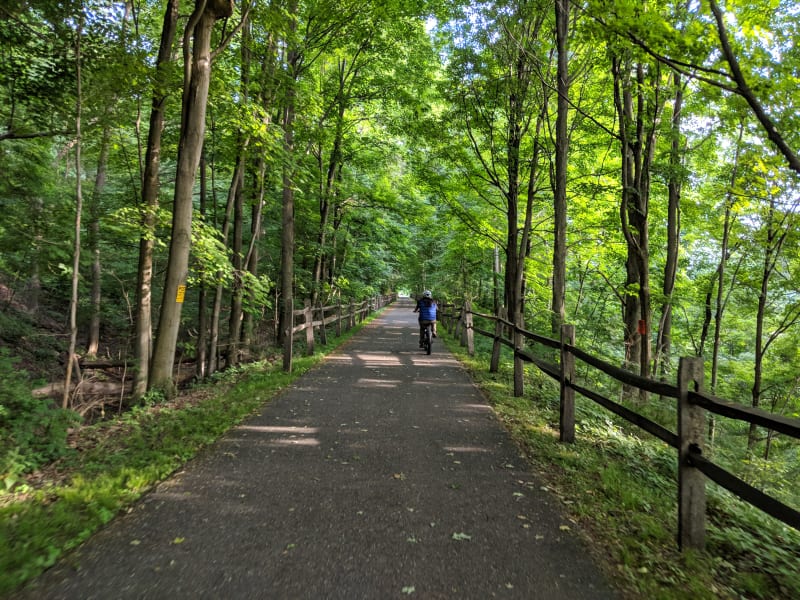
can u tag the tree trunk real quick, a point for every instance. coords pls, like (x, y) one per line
(514, 249)
(202, 301)
(76, 253)
(638, 119)
(236, 182)
(287, 211)
(631, 309)
(774, 241)
(758, 366)
(149, 206)
(235, 317)
(251, 258)
(237, 293)
(328, 191)
(664, 337)
(93, 230)
(33, 288)
(721, 303)
(196, 82)
(560, 184)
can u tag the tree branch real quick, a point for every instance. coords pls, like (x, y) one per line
(745, 92)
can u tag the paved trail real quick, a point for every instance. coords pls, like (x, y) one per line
(380, 474)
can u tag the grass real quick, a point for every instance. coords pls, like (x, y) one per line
(121, 459)
(620, 489)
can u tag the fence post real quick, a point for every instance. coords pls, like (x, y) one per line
(494, 366)
(468, 332)
(351, 315)
(339, 317)
(323, 334)
(519, 365)
(465, 315)
(691, 482)
(288, 340)
(308, 325)
(567, 407)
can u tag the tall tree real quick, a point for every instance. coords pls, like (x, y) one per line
(197, 74)
(149, 204)
(502, 111)
(674, 183)
(72, 359)
(561, 159)
(293, 61)
(638, 101)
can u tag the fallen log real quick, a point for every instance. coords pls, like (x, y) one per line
(98, 388)
(104, 364)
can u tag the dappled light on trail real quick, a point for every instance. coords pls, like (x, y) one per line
(293, 441)
(276, 435)
(386, 383)
(459, 449)
(276, 429)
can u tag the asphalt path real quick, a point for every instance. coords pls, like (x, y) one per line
(381, 473)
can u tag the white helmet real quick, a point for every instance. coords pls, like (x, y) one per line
(427, 294)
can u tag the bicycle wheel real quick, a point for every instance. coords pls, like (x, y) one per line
(428, 340)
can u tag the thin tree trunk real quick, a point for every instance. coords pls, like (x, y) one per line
(514, 249)
(76, 252)
(758, 366)
(202, 301)
(720, 303)
(235, 316)
(562, 153)
(237, 293)
(664, 336)
(93, 338)
(251, 264)
(33, 288)
(496, 279)
(287, 211)
(631, 309)
(251, 258)
(328, 191)
(236, 182)
(772, 250)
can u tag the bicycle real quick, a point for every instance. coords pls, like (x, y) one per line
(427, 338)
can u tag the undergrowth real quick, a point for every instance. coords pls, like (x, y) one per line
(620, 487)
(121, 459)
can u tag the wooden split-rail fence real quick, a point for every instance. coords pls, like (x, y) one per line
(316, 320)
(692, 406)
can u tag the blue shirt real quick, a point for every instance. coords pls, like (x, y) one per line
(427, 309)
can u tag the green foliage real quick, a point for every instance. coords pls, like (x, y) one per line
(32, 431)
(211, 256)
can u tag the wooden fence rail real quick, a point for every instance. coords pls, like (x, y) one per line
(344, 316)
(692, 406)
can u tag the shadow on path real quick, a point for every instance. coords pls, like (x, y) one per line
(382, 473)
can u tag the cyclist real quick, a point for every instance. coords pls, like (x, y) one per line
(426, 307)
